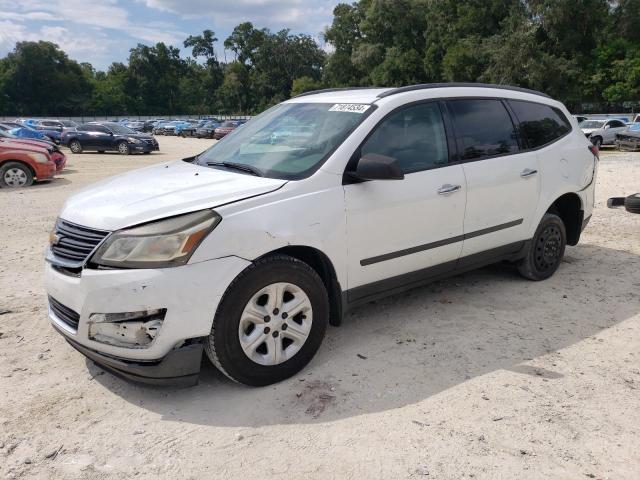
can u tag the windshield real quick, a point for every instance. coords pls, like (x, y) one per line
(592, 124)
(119, 129)
(288, 141)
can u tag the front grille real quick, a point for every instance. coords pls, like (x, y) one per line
(64, 314)
(74, 242)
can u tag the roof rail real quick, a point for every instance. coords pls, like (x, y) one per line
(425, 86)
(328, 90)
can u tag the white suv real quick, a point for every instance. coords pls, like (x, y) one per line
(250, 249)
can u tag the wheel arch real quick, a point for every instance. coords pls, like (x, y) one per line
(323, 266)
(569, 208)
(22, 162)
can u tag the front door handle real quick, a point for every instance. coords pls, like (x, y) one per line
(528, 172)
(448, 188)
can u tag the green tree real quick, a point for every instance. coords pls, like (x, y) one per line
(304, 84)
(207, 82)
(39, 79)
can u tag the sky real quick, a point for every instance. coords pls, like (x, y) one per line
(101, 32)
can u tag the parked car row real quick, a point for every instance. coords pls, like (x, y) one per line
(29, 149)
(205, 128)
(51, 129)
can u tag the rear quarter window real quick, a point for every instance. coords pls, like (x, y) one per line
(539, 124)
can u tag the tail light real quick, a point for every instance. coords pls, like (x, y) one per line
(595, 150)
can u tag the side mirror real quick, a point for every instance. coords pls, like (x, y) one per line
(373, 166)
(606, 127)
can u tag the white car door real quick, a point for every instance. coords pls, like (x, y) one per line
(502, 183)
(399, 231)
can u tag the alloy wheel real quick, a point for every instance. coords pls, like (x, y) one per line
(15, 177)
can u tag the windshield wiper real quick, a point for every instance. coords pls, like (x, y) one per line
(238, 166)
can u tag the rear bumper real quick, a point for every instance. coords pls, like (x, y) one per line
(180, 367)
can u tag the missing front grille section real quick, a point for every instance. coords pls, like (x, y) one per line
(127, 329)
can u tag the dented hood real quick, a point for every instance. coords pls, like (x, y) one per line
(160, 191)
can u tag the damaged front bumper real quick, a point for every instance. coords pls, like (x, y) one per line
(143, 324)
(180, 367)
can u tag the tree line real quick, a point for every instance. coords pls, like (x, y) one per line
(584, 52)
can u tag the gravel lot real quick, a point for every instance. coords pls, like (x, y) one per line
(482, 376)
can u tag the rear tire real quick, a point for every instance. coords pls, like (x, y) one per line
(268, 336)
(75, 146)
(546, 250)
(15, 175)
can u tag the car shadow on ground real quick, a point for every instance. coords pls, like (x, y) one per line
(53, 183)
(408, 347)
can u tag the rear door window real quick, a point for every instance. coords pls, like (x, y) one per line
(414, 136)
(540, 124)
(98, 128)
(484, 128)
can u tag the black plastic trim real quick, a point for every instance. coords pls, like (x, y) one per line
(439, 243)
(400, 283)
(338, 89)
(180, 367)
(426, 86)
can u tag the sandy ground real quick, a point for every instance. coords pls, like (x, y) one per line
(482, 376)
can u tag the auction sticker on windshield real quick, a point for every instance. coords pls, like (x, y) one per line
(349, 107)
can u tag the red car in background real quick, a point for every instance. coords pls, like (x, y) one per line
(225, 129)
(57, 156)
(21, 164)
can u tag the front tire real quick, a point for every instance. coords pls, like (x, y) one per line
(546, 250)
(270, 322)
(75, 146)
(123, 148)
(15, 175)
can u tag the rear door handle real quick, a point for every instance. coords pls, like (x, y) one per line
(528, 172)
(448, 188)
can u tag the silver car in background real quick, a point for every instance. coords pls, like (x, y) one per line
(602, 132)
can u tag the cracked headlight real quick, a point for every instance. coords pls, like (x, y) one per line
(164, 243)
